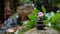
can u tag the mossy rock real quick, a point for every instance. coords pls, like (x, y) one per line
(47, 31)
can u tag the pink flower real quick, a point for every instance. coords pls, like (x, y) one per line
(40, 14)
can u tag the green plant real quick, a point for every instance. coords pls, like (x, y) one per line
(55, 21)
(33, 19)
(43, 9)
(52, 19)
(34, 16)
(30, 25)
(47, 16)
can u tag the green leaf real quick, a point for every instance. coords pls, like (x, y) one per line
(34, 16)
(55, 21)
(55, 17)
(43, 9)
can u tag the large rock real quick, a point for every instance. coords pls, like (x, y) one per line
(47, 31)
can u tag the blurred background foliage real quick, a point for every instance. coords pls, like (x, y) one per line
(49, 4)
(44, 6)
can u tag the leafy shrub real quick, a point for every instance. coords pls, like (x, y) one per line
(55, 21)
(33, 19)
(30, 25)
(52, 19)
